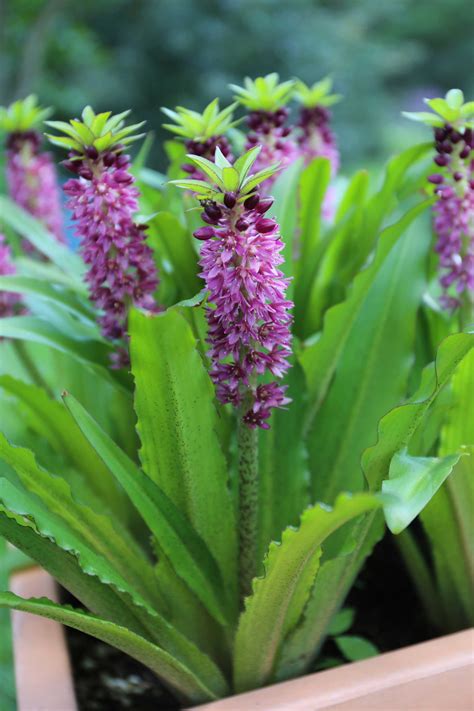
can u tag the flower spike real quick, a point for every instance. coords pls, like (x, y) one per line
(248, 314)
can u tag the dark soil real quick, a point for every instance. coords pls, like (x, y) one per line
(387, 613)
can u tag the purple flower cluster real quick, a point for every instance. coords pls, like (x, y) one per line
(316, 138)
(454, 212)
(268, 129)
(205, 149)
(249, 322)
(122, 273)
(32, 181)
(8, 300)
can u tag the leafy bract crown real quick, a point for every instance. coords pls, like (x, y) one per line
(226, 177)
(263, 93)
(197, 126)
(318, 94)
(452, 109)
(104, 131)
(23, 115)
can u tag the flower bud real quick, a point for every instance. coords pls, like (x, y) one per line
(265, 225)
(252, 202)
(264, 205)
(204, 233)
(230, 200)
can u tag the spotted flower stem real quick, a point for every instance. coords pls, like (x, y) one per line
(122, 273)
(248, 506)
(454, 215)
(32, 182)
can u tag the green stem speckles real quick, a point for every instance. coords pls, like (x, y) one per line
(248, 506)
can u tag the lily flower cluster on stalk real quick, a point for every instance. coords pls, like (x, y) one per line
(103, 200)
(453, 181)
(248, 314)
(9, 301)
(30, 172)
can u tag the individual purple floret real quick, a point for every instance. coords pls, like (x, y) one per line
(122, 273)
(9, 301)
(32, 181)
(249, 320)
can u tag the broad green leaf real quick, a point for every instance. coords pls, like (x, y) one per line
(412, 482)
(281, 450)
(177, 421)
(111, 541)
(165, 666)
(45, 290)
(342, 621)
(168, 235)
(356, 648)
(368, 368)
(33, 231)
(313, 185)
(285, 212)
(398, 426)
(7, 669)
(51, 420)
(278, 599)
(185, 550)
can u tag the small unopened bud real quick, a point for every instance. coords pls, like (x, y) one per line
(91, 152)
(72, 165)
(85, 172)
(204, 233)
(230, 200)
(465, 152)
(441, 160)
(241, 224)
(458, 176)
(213, 211)
(264, 205)
(265, 225)
(436, 179)
(208, 219)
(252, 202)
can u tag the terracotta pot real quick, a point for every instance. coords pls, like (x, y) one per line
(432, 676)
(42, 669)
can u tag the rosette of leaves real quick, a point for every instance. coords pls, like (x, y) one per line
(104, 132)
(226, 177)
(452, 109)
(196, 126)
(23, 115)
(264, 93)
(318, 94)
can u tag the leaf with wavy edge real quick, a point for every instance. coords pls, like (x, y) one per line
(175, 674)
(186, 551)
(278, 598)
(337, 574)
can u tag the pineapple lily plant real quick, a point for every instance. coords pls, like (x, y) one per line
(225, 396)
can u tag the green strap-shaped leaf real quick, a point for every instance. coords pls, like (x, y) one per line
(448, 519)
(184, 548)
(313, 184)
(7, 668)
(279, 597)
(177, 422)
(339, 571)
(33, 231)
(169, 236)
(168, 669)
(282, 450)
(412, 482)
(370, 368)
(50, 419)
(285, 192)
(106, 539)
(45, 290)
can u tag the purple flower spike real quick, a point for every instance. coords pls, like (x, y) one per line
(248, 314)
(103, 201)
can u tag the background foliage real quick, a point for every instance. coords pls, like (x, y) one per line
(384, 56)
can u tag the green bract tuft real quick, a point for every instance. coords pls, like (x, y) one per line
(319, 94)
(451, 109)
(226, 177)
(103, 131)
(24, 115)
(200, 126)
(264, 93)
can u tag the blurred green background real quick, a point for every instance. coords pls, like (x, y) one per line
(116, 54)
